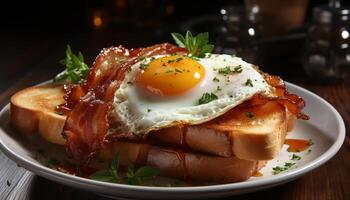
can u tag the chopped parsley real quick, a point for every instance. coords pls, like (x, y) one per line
(177, 70)
(249, 114)
(143, 66)
(227, 70)
(206, 98)
(295, 157)
(311, 142)
(238, 69)
(149, 110)
(216, 79)
(169, 71)
(178, 59)
(279, 169)
(249, 83)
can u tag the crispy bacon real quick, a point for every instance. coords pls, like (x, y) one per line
(292, 102)
(88, 104)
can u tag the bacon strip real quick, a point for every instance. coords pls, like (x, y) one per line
(88, 104)
(292, 102)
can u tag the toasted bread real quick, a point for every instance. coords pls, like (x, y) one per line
(257, 138)
(182, 164)
(235, 141)
(33, 110)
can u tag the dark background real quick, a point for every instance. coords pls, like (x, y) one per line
(45, 27)
(34, 35)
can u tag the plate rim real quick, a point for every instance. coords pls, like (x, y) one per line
(97, 186)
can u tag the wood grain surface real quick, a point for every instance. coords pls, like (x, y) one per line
(27, 60)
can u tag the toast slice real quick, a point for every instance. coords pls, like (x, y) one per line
(33, 110)
(256, 137)
(182, 164)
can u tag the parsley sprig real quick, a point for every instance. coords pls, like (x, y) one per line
(133, 177)
(76, 70)
(197, 46)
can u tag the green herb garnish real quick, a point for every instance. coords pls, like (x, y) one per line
(169, 71)
(132, 177)
(249, 83)
(136, 177)
(216, 79)
(177, 70)
(238, 69)
(76, 70)
(295, 157)
(279, 169)
(143, 66)
(249, 114)
(197, 46)
(52, 162)
(227, 70)
(206, 98)
(178, 59)
(311, 142)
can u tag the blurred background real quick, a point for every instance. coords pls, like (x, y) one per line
(299, 40)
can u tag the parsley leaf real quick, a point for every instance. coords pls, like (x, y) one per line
(197, 46)
(132, 177)
(143, 66)
(249, 114)
(206, 98)
(279, 169)
(136, 177)
(295, 157)
(249, 83)
(216, 79)
(76, 70)
(103, 175)
(114, 166)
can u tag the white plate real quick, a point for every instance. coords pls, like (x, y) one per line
(326, 128)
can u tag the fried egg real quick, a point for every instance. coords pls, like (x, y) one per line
(168, 90)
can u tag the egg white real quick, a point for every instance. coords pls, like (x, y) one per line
(139, 113)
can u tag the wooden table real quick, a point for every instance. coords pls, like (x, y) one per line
(29, 59)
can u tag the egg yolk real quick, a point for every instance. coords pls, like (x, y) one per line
(170, 75)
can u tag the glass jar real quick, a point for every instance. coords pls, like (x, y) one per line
(240, 34)
(326, 56)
